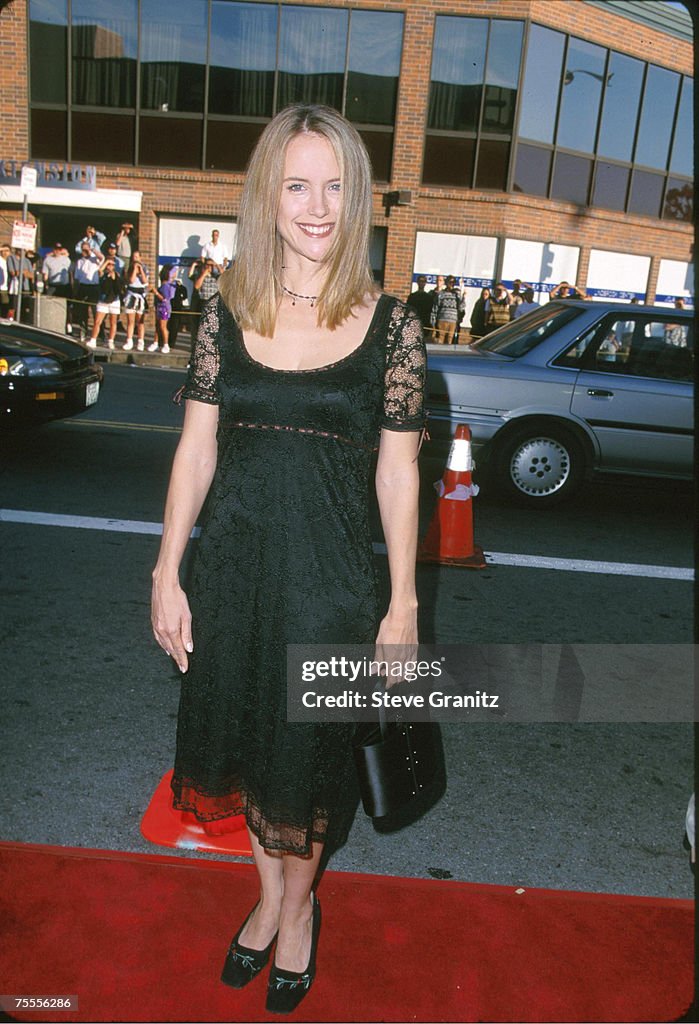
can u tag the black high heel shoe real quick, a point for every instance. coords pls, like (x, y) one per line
(286, 989)
(243, 964)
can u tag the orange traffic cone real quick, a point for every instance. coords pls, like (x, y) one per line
(449, 537)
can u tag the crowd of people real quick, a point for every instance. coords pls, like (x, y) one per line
(443, 308)
(105, 281)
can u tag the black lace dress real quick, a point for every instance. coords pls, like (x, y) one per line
(284, 556)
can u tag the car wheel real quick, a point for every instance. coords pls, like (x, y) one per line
(539, 467)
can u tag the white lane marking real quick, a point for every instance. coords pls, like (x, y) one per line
(665, 572)
(12, 515)
(659, 572)
(119, 425)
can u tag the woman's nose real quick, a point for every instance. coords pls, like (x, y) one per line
(319, 203)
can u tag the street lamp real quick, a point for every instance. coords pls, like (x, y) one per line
(570, 75)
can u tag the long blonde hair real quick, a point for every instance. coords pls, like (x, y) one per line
(251, 288)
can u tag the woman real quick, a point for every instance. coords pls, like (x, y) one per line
(447, 312)
(164, 295)
(108, 303)
(303, 368)
(135, 305)
(478, 328)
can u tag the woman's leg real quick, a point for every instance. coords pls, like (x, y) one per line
(113, 318)
(262, 926)
(99, 317)
(295, 922)
(130, 321)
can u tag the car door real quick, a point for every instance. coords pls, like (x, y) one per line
(634, 390)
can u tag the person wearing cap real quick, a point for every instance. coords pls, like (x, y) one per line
(112, 255)
(56, 272)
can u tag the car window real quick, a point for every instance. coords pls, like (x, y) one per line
(639, 346)
(520, 336)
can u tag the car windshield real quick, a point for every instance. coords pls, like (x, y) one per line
(519, 337)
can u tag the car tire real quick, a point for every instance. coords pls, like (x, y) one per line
(539, 465)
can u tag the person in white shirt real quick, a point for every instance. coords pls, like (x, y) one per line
(85, 285)
(4, 281)
(92, 237)
(216, 251)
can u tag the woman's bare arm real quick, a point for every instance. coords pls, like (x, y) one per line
(397, 490)
(192, 472)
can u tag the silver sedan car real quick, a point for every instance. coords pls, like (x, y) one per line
(568, 389)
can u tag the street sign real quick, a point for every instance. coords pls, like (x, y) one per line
(28, 179)
(23, 235)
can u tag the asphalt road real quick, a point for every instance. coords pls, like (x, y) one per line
(91, 701)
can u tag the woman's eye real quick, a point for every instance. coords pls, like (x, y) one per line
(296, 186)
(336, 187)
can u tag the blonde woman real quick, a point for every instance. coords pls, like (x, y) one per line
(300, 371)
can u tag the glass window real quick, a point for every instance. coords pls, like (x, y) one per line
(571, 179)
(493, 158)
(501, 76)
(635, 346)
(242, 56)
(170, 142)
(515, 340)
(312, 56)
(374, 66)
(173, 55)
(542, 81)
(48, 42)
(681, 161)
(657, 116)
(620, 113)
(105, 44)
(229, 144)
(611, 185)
(582, 91)
(532, 170)
(457, 73)
(49, 134)
(448, 160)
(646, 193)
(679, 201)
(379, 146)
(109, 135)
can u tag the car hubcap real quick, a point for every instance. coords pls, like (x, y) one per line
(540, 466)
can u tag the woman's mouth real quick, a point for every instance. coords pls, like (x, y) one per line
(316, 230)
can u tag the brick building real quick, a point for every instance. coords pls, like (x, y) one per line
(539, 139)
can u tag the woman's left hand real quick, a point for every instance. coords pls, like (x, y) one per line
(397, 640)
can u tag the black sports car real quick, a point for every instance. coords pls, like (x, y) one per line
(44, 376)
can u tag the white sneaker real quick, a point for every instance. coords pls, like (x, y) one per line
(92, 343)
(110, 344)
(128, 345)
(165, 349)
(140, 345)
(153, 347)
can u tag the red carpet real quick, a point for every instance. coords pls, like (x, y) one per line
(143, 937)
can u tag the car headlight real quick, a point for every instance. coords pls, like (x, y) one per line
(30, 366)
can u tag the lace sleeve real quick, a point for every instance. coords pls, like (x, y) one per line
(406, 369)
(202, 379)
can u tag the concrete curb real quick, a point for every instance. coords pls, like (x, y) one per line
(175, 359)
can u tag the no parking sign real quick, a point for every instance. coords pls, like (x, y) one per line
(23, 235)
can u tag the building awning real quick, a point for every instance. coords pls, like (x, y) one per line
(122, 199)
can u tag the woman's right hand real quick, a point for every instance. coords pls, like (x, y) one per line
(172, 620)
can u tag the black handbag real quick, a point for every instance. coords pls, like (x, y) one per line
(400, 768)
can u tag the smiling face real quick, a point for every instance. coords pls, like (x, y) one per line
(309, 204)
